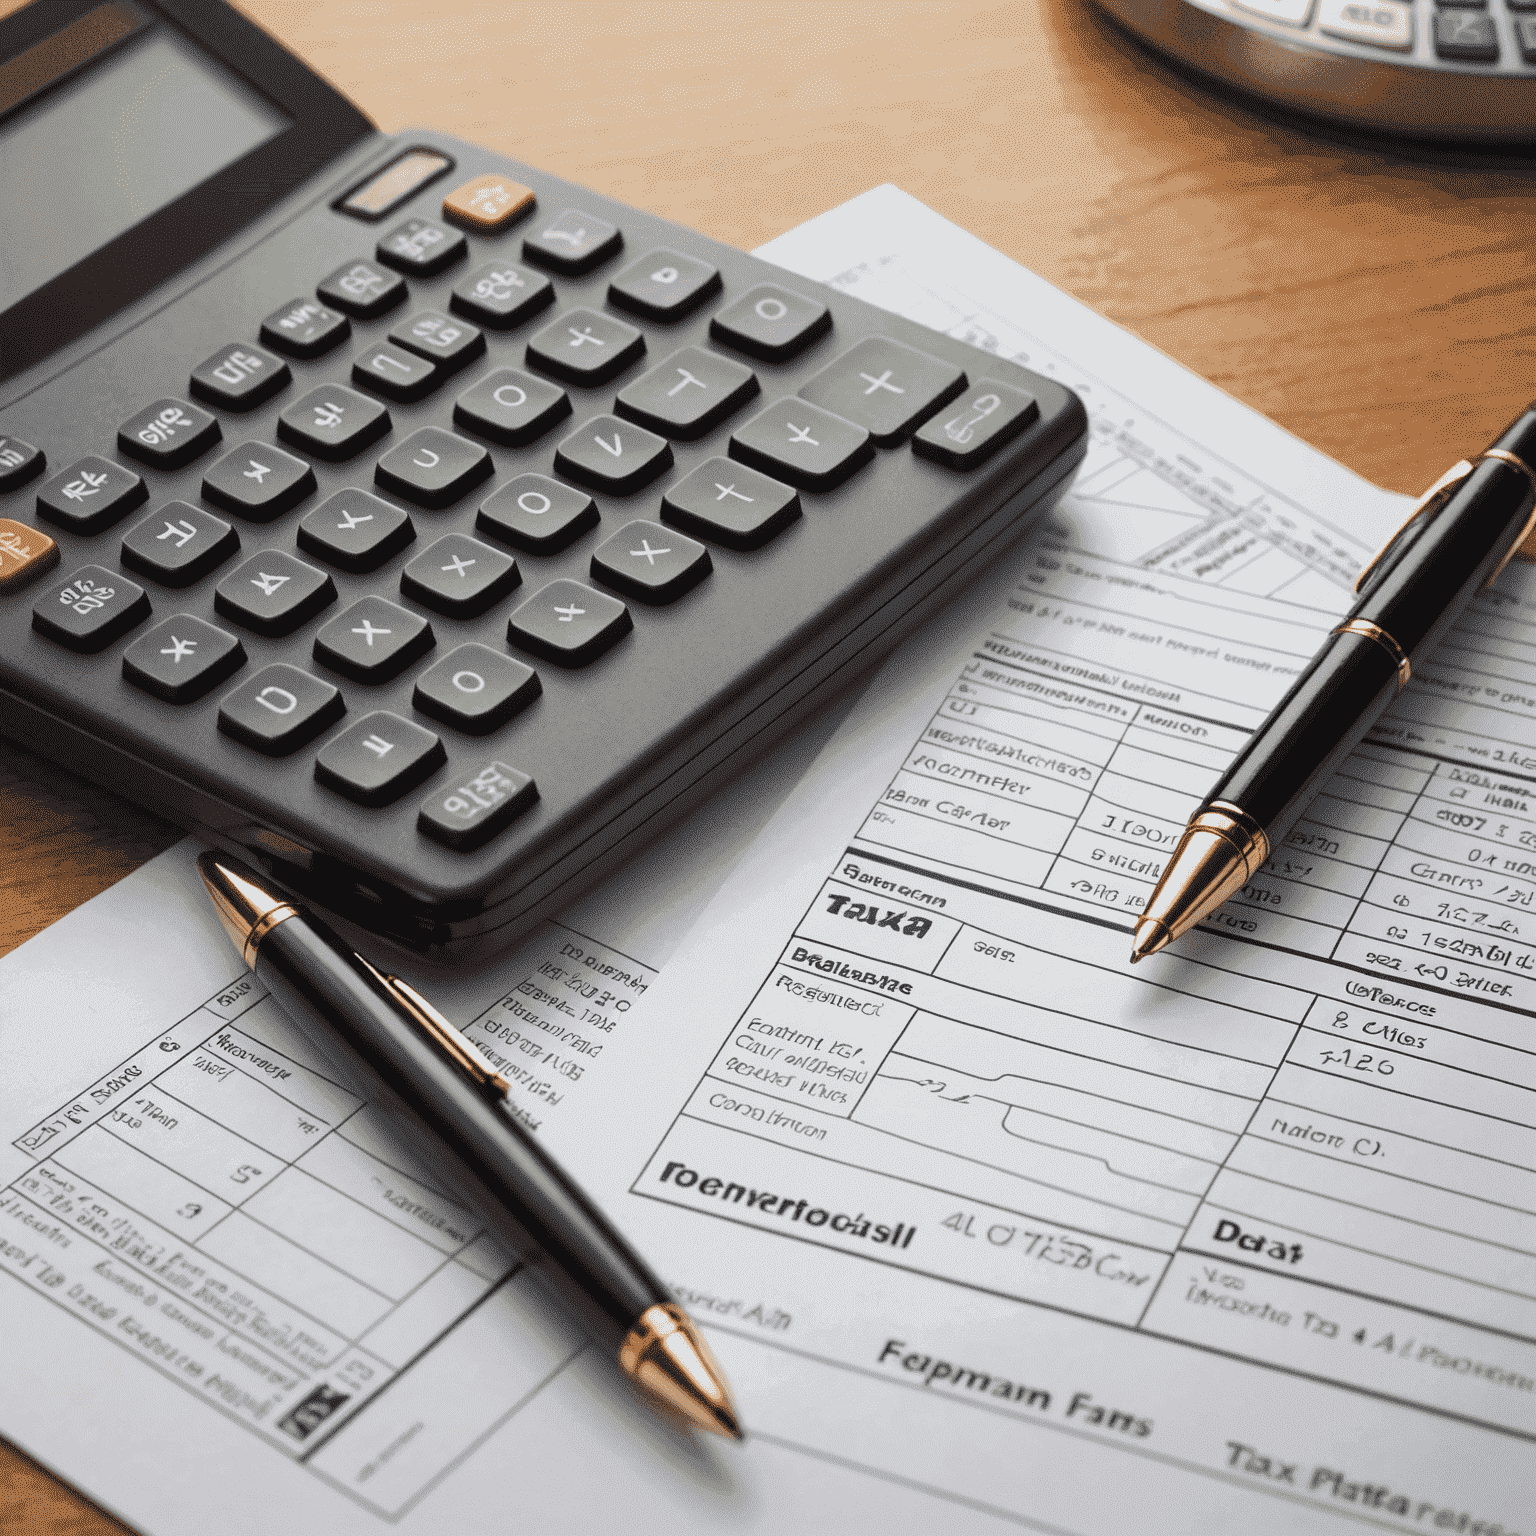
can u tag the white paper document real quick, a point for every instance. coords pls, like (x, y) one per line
(989, 1229)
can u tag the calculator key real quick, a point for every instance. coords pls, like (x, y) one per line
(1466, 36)
(303, 328)
(569, 623)
(273, 593)
(476, 809)
(512, 407)
(181, 658)
(573, 243)
(488, 204)
(476, 689)
(799, 442)
(501, 294)
(90, 495)
(239, 376)
(1525, 36)
(585, 347)
(279, 709)
(379, 758)
(459, 576)
(1379, 23)
(433, 468)
(373, 640)
(333, 422)
(19, 462)
(355, 531)
(25, 554)
(885, 387)
(420, 248)
(179, 544)
(612, 455)
(536, 513)
(168, 434)
(688, 395)
(650, 562)
(449, 343)
(258, 481)
(730, 504)
(985, 417)
(362, 290)
(771, 322)
(664, 285)
(90, 610)
(394, 372)
(396, 182)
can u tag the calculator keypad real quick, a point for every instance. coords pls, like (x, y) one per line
(168, 433)
(279, 709)
(572, 242)
(272, 593)
(797, 441)
(379, 758)
(512, 407)
(181, 658)
(179, 544)
(650, 562)
(373, 640)
(333, 422)
(91, 609)
(612, 455)
(355, 531)
(433, 468)
(239, 377)
(569, 623)
(258, 481)
(90, 495)
(476, 689)
(688, 395)
(585, 347)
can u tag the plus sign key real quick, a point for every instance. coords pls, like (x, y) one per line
(650, 562)
(885, 387)
(730, 504)
(258, 481)
(585, 347)
(379, 758)
(181, 659)
(569, 623)
(373, 640)
(803, 444)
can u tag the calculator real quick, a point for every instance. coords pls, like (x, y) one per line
(425, 529)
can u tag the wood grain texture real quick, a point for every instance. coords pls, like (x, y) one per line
(1380, 307)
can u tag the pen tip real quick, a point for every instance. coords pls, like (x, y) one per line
(666, 1355)
(1150, 937)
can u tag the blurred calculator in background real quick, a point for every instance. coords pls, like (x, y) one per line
(422, 527)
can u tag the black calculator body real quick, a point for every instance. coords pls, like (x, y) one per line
(421, 527)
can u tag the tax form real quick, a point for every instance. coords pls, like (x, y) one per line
(988, 1230)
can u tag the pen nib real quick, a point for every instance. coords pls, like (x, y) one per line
(1150, 937)
(665, 1354)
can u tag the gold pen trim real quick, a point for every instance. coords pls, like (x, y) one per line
(1368, 631)
(666, 1355)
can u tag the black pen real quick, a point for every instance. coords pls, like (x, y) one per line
(405, 1057)
(1456, 540)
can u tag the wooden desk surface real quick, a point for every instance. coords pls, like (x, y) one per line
(1384, 310)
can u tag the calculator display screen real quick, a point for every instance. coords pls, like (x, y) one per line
(104, 150)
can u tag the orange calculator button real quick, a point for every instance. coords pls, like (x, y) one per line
(24, 554)
(488, 203)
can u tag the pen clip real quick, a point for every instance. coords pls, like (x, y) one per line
(1426, 506)
(437, 1029)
